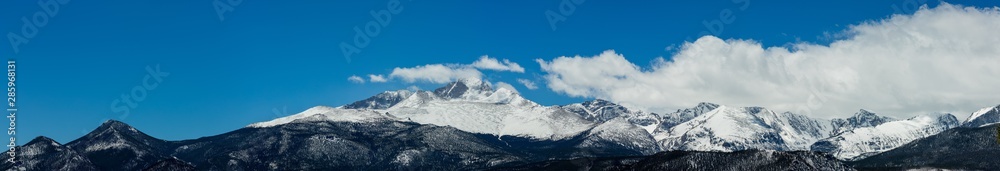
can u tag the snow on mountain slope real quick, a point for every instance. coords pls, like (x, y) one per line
(683, 115)
(732, 129)
(471, 105)
(797, 131)
(117, 146)
(863, 118)
(469, 89)
(598, 110)
(621, 133)
(380, 101)
(601, 111)
(329, 114)
(515, 117)
(670, 120)
(43, 153)
(866, 141)
(983, 117)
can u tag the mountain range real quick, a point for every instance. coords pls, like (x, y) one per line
(469, 125)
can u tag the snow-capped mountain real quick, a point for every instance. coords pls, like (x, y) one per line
(469, 89)
(743, 128)
(600, 110)
(478, 108)
(621, 133)
(961, 148)
(862, 142)
(670, 120)
(324, 113)
(863, 118)
(380, 101)
(469, 125)
(470, 105)
(983, 117)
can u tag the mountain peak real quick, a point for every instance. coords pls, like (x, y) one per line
(462, 87)
(701, 108)
(468, 88)
(598, 110)
(43, 140)
(599, 102)
(864, 112)
(984, 116)
(707, 105)
(865, 118)
(474, 82)
(112, 130)
(116, 125)
(382, 100)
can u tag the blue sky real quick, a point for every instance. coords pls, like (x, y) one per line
(268, 55)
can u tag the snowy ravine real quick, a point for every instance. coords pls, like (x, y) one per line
(742, 128)
(867, 141)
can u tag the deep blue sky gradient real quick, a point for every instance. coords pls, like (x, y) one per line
(284, 55)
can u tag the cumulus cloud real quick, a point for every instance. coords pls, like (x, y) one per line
(505, 86)
(485, 62)
(527, 83)
(435, 73)
(444, 73)
(356, 79)
(942, 59)
(377, 78)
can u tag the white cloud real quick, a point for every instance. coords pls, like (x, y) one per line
(413, 88)
(377, 78)
(435, 73)
(356, 79)
(505, 86)
(944, 59)
(485, 62)
(444, 73)
(527, 83)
